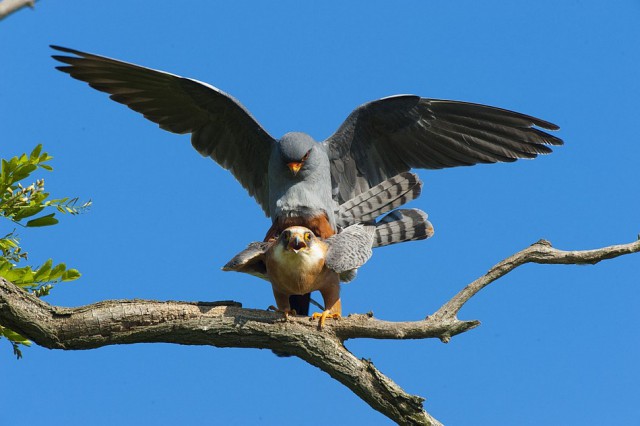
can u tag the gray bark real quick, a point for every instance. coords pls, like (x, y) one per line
(227, 324)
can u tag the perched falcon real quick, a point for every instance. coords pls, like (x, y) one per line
(298, 263)
(296, 180)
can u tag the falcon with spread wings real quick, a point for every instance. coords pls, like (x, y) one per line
(298, 262)
(296, 180)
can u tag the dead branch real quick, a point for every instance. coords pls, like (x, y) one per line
(221, 324)
(227, 324)
(539, 252)
(7, 7)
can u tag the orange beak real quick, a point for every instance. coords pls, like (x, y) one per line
(294, 167)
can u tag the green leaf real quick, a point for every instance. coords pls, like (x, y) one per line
(4, 173)
(57, 201)
(43, 221)
(70, 275)
(45, 157)
(19, 202)
(5, 266)
(35, 154)
(42, 273)
(28, 212)
(57, 272)
(14, 337)
(23, 172)
(22, 277)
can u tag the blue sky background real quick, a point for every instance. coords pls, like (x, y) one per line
(557, 345)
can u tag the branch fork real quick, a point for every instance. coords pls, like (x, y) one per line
(227, 324)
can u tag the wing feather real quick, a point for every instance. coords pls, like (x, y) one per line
(349, 250)
(220, 127)
(392, 135)
(250, 260)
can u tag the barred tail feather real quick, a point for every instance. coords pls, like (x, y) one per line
(402, 225)
(380, 199)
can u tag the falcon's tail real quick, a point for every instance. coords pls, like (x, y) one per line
(402, 225)
(380, 199)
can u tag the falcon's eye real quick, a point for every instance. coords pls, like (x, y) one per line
(286, 235)
(307, 236)
(304, 158)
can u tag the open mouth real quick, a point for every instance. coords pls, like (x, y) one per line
(296, 244)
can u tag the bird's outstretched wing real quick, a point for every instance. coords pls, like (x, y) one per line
(250, 260)
(221, 127)
(391, 135)
(349, 250)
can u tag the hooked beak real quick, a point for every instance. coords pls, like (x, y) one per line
(296, 244)
(295, 167)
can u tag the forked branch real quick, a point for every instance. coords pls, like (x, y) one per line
(227, 324)
(539, 252)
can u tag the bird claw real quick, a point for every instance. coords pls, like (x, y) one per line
(323, 316)
(285, 312)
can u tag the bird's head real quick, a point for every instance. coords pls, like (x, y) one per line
(297, 239)
(297, 151)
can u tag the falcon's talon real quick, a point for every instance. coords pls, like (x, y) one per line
(285, 312)
(362, 168)
(323, 316)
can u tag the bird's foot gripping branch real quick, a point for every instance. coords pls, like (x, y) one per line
(227, 324)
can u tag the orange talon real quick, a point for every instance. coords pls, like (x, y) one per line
(323, 316)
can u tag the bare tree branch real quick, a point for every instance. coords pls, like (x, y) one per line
(7, 7)
(227, 324)
(222, 324)
(540, 252)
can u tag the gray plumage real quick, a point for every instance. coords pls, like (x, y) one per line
(377, 141)
(306, 193)
(380, 199)
(399, 225)
(402, 225)
(349, 250)
(382, 138)
(346, 252)
(351, 247)
(220, 127)
(250, 260)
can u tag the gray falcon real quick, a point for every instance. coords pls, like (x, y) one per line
(298, 262)
(296, 180)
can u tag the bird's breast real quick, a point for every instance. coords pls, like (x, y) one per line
(297, 273)
(308, 196)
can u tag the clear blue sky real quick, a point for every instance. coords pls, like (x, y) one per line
(558, 344)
